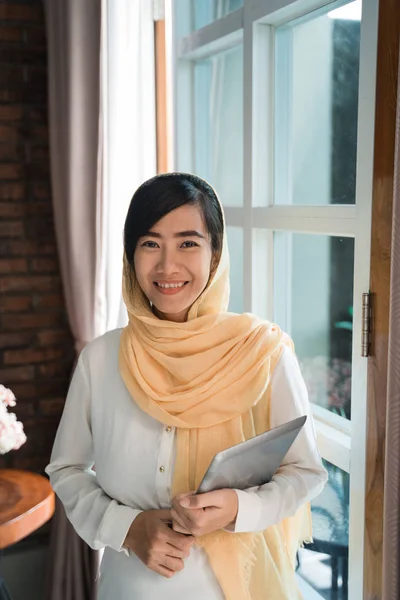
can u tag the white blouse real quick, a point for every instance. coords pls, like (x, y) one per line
(134, 459)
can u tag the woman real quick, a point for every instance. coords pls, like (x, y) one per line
(150, 405)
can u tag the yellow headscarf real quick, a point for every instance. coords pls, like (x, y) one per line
(208, 377)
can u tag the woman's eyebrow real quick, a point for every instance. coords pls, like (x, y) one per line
(191, 233)
(152, 234)
(180, 234)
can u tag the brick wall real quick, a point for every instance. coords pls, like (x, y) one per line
(36, 349)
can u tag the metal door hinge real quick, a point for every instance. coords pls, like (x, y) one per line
(366, 325)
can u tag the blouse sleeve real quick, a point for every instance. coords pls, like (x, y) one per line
(301, 475)
(98, 519)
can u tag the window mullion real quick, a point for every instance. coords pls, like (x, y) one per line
(213, 38)
(326, 220)
(247, 156)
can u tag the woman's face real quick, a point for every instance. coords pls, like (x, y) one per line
(173, 261)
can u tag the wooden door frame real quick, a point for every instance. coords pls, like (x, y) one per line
(381, 237)
(163, 128)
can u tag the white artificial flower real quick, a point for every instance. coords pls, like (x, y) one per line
(12, 434)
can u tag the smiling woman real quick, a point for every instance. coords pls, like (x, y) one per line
(151, 406)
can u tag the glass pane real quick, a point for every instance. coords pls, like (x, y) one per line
(313, 302)
(235, 245)
(316, 109)
(323, 565)
(218, 115)
(207, 11)
(261, 282)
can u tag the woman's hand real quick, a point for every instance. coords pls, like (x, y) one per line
(158, 546)
(205, 513)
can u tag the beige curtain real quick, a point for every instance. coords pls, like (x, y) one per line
(73, 32)
(391, 550)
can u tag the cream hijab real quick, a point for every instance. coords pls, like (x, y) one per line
(208, 377)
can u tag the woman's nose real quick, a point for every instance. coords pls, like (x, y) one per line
(168, 262)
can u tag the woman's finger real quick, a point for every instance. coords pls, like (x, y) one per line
(172, 563)
(210, 499)
(182, 517)
(178, 524)
(179, 541)
(179, 529)
(176, 552)
(164, 571)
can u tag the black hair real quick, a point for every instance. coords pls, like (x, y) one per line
(160, 195)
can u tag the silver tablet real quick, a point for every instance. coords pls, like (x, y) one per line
(253, 462)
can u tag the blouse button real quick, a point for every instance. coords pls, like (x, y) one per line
(162, 469)
(169, 429)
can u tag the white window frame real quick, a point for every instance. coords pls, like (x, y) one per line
(341, 442)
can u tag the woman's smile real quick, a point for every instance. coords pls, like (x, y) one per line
(170, 287)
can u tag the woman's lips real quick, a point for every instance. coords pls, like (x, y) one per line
(169, 291)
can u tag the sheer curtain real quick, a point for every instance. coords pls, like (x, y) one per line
(128, 97)
(102, 146)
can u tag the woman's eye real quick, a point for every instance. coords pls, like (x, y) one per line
(189, 245)
(149, 244)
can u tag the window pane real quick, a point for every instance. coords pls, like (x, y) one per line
(218, 115)
(323, 565)
(235, 245)
(316, 109)
(313, 302)
(260, 279)
(207, 11)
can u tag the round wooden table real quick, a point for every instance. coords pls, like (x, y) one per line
(26, 503)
